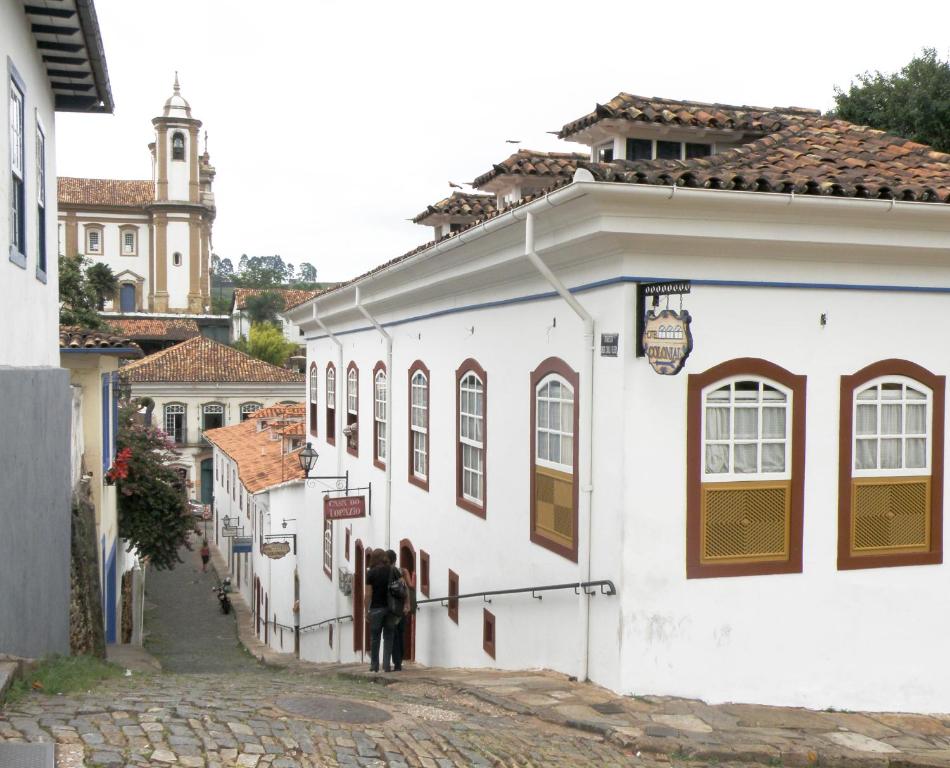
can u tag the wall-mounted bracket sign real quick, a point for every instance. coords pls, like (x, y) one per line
(655, 290)
(242, 545)
(609, 344)
(275, 550)
(229, 522)
(344, 507)
(230, 531)
(667, 340)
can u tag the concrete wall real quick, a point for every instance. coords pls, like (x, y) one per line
(34, 511)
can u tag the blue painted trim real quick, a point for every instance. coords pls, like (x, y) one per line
(110, 602)
(621, 279)
(99, 351)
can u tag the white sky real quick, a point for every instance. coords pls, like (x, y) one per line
(330, 122)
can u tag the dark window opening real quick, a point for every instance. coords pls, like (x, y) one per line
(453, 593)
(178, 147)
(698, 150)
(667, 150)
(488, 632)
(424, 572)
(605, 153)
(639, 149)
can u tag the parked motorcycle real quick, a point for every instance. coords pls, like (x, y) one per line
(222, 590)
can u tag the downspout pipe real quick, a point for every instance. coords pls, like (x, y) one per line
(387, 512)
(587, 426)
(339, 446)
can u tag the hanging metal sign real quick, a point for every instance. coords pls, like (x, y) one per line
(230, 531)
(275, 550)
(242, 545)
(667, 340)
(344, 507)
(229, 522)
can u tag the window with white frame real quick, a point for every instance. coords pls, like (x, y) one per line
(379, 416)
(128, 242)
(471, 437)
(212, 415)
(175, 426)
(93, 239)
(40, 201)
(352, 409)
(313, 398)
(892, 429)
(554, 438)
(331, 404)
(248, 408)
(17, 173)
(419, 424)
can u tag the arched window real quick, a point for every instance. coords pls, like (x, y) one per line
(419, 425)
(745, 470)
(247, 409)
(212, 416)
(175, 424)
(331, 404)
(890, 479)
(379, 415)
(471, 393)
(554, 453)
(313, 399)
(176, 259)
(178, 146)
(352, 409)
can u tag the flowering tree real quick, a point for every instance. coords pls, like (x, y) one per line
(153, 513)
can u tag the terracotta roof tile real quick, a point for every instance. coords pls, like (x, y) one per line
(135, 193)
(625, 106)
(291, 296)
(72, 338)
(202, 360)
(527, 162)
(459, 204)
(154, 328)
(261, 461)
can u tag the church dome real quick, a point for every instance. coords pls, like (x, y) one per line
(176, 105)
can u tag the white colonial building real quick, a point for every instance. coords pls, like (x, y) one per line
(199, 385)
(53, 61)
(771, 517)
(155, 234)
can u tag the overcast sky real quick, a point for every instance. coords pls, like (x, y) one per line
(332, 122)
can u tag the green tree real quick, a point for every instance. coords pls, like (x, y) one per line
(913, 103)
(77, 302)
(263, 307)
(266, 342)
(307, 273)
(258, 273)
(153, 513)
(102, 282)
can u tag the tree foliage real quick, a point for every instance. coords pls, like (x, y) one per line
(913, 103)
(266, 342)
(263, 307)
(153, 513)
(102, 282)
(77, 299)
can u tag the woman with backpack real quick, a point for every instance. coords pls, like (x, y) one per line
(381, 619)
(399, 631)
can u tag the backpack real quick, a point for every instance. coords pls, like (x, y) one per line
(396, 597)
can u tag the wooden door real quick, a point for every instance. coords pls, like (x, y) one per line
(359, 579)
(407, 560)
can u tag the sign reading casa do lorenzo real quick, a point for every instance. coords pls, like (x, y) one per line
(344, 507)
(275, 549)
(667, 340)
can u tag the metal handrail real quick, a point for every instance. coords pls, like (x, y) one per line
(337, 619)
(606, 588)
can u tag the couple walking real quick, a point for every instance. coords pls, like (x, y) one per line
(386, 613)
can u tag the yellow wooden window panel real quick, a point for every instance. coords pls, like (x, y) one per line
(745, 522)
(890, 515)
(554, 505)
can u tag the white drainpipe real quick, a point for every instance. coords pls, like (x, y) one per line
(586, 397)
(387, 509)
(337, 597)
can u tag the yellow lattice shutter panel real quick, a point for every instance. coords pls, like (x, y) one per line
(890, 515)
(745, 522)
(554, 505)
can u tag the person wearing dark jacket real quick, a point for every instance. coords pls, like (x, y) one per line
(399, 631)
(381, 621)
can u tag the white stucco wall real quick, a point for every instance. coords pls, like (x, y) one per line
(33, 301)
(179, 239)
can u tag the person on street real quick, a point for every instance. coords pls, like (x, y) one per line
(205, 555)
(399, 631)
(381, 621)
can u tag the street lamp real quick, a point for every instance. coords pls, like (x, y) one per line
(308, 459)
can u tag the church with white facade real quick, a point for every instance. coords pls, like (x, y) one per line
(154, 233)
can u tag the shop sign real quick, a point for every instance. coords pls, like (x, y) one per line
(229, 531)
(667, 340)
(242, 545)
(609, 344)
(275, 549)
(344, 507)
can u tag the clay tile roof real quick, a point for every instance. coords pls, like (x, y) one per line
(202, 360)
(459, 204)
(626, 106)
(72, 339)
(112, 192)
(291, 296)
(154, 328)
(527, 162)
(261, 461)
(815, 156)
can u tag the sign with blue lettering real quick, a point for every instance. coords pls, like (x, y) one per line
(242, 544)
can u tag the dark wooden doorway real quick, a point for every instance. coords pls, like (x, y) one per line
(407, 560)
(296, 615)
(359, 579)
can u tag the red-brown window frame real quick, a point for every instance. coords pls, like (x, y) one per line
(327, 525)
(554, 365)
(424, 572)
(331, 405)
(752, 367)
(937, 385)
(453, 605)
(470, 365)
(311, 396)
(488, 632)
(352, 446)
(377, 462)
(419, 367)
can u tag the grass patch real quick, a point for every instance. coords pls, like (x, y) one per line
(63, 674)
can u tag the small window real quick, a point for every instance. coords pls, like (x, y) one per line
(40, 203)
(697, 150)
(346, 542)
(93, 239)
(247, 409)
(175, 426)
(424, 572)
(176, 259)
(470, 447)
(453, 593)
(328, 548)
(178, 146)
(313, 399)
(379, 416)
(668, 150)
(352, 409)
(129, 242)
(18, 172)
(212, 415)
(488, 632)
(604, 153)
(331, 404)
(639, 149)
(419, 425)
